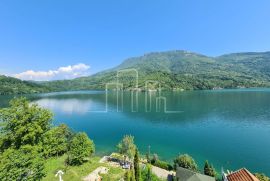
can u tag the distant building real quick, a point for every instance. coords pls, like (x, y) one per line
(239, 175)
(183, 174)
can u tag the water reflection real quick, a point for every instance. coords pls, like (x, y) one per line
(247, 107)
(229, 128)
(67, 106)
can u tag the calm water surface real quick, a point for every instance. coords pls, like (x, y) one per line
(230, 128)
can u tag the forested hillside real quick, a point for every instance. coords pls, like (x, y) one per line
(174, 70)
(10, 85)
(182, 70)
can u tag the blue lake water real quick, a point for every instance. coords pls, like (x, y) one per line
(230, 128)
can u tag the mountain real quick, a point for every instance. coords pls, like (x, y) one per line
(10, 85)
(181, 70)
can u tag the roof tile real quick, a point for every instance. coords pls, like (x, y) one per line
(241, 175)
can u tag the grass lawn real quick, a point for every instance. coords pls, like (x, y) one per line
(74, 173)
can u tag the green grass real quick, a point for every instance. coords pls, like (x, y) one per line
(74, 173)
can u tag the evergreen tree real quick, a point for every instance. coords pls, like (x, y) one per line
(149, 173)
(127, 176)
(137, 166)
(209, 169)
(132, 174)
(148, 155)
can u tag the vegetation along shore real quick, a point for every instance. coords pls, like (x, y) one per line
(31, 148)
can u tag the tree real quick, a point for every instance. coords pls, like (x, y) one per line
(137, 166)
(209, 169)
(80, 148)
(55, 141)
(155, 158)
(129, 175)
(149, 173)
(148, 155)
(21, 164)
(185, 161)
(24, 124)
(262, 177)
(127, 147)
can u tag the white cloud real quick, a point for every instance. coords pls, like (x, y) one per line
(68, 72)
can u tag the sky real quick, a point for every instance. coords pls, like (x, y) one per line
(49, 39)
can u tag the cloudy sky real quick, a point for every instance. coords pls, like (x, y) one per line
(68, 72)
(47, 40)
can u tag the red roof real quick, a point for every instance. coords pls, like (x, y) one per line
(241, 175)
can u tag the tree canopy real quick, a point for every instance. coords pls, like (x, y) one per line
(24, 123)
(25, 163)
(136, 164)
(127, 147)
(209, 169)
(186, 161)
(80, 148)
(27, 137)
(11, 85)
(262, 177)
(55, 141)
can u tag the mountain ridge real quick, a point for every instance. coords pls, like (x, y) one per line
(11, 85)
(174, 70)
(181, 69)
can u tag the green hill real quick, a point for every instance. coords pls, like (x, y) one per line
(182, 70)
(10, 85)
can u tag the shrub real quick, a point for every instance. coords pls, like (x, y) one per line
(185, 161)
(23, 124)
(209, 169)
(162, 164)
(262, 177)
(80, 148)
(21, 164)
(127, 147)
(55, 141)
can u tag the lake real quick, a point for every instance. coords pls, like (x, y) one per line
(230, 128)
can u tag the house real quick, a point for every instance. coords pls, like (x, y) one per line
(239, 175)
(183, 174)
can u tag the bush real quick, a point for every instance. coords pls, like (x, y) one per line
(23, 124)
(262, 177)
(55, 141)
(162, 164)
(21, 164)
(185, 161)
(80, 148)
(209, 169)
(127, 147)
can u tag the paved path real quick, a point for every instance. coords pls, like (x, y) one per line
(94, 176)
(162, 173)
